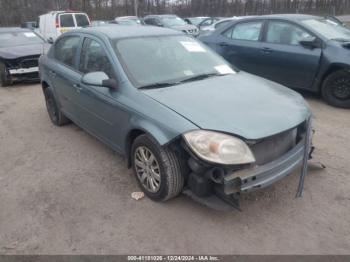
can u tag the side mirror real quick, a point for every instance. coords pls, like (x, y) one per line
(50, 41)
(99, 79)
(310, 43)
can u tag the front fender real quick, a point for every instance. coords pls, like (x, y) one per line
(163, 135)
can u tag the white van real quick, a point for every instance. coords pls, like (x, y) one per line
(55, 23)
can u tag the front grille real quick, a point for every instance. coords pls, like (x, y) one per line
(190, 31)
(271, 148)
(27, 63)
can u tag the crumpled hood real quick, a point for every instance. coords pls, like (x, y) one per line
(21, 51)
(240, 104)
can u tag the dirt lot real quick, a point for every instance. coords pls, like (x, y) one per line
(63, 192)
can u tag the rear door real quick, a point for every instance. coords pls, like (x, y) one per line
(241, 45)
(64, 74)
(286, 61)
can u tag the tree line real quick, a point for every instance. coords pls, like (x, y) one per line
(14, 12)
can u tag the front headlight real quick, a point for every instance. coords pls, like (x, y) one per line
(219, 148)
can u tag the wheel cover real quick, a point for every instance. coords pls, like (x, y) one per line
(147, 169)
(341, 88)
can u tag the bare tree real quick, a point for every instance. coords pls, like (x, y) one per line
(13, 12)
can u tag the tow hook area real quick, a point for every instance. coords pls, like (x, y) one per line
(205, 185)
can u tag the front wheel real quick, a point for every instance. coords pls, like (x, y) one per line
(5, 79)
(336, 89)
(157, 169)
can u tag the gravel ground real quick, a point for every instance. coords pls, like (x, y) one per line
(64, 192)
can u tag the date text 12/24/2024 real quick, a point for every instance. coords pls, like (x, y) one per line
(173, 258)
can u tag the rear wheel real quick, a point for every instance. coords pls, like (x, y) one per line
(55, 114)
(336, 89)
(5, 79)
(157, 169)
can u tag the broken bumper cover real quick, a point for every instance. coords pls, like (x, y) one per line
(20, 71)
(262, 176)
(225, 195)
(210, 184)
(24, 74)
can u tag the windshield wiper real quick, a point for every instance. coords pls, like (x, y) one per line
(341, 39)
(200, 77)
(158, 85)
(189, 79)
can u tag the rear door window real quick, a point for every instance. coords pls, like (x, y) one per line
(67, 20)
(82, 20)
(66, 50)
(249, 31)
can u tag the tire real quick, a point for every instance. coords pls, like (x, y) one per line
(171, 178)
(55, 114)
(336, 89)
(5, 80)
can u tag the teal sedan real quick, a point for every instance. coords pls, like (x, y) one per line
(185, 120)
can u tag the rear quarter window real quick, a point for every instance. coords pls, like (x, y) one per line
(67, 20)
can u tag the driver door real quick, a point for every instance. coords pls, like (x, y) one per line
(101, 110)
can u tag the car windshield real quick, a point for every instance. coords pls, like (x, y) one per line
(173, 21)
(329, 29)
(197, 20)
(168, 59)
(129, 22)
(19, 38)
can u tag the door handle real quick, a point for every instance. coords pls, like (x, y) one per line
(77, 87)
(52, 73)
(223, 44)
(266, 50)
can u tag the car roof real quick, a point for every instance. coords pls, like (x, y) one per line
(202, 17)
(225, 19)
(120, 31)
(344, 18)
(62, 12)
(13, 29)
(127, 17)
(165, 15)
(292, 17)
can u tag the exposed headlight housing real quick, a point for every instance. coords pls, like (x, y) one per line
(219, 148)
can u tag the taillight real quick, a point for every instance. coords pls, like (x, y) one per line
(57, 23)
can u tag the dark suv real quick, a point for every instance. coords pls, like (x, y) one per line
(173, 22)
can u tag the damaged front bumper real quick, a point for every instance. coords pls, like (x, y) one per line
(20, 71)
(219, 187)
(262, 176)
(24, 74)
(23, 69)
